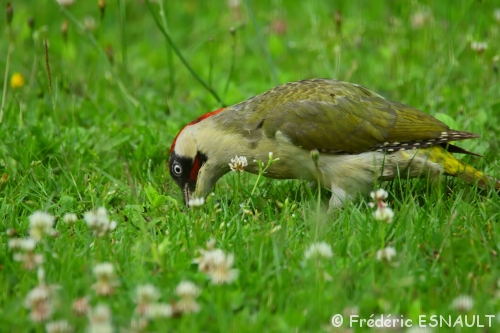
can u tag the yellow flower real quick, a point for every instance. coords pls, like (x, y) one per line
(17, 81)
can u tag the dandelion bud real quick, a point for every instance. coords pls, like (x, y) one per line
(110, 54)
(31, 24)
(11, 232)
(315, 156)
(64, 30)
(3, 181)
(338, 21)
(102, 7)
(10, 13)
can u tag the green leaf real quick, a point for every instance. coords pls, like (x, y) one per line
(153, 196)
(447, 120)
(159, 200)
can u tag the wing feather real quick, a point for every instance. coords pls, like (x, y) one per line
(337, 117)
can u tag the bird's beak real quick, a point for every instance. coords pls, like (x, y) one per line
(187, 194)
(204, 183)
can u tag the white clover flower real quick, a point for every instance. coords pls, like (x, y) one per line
(41, 223)
(222, 271)
(463, 303)
(186, 305)
(479, 47)
(318, 250)
(39, 302)
(496, 14)
(386, 253)
(65, 3)
(104, 270)
(187, 292)
(384, 214)
(137, 325)
(210, 245)
(27, 244)
(100, 320)
(187, 289)
(89, 23)
(196, 202)
(24, 244)
(275, 229)
(234, 3)
(81, 306)
(159, 310)
(350, 311)
(146, 294)
(70, 218)
(30, 260)
(206, 260)
(100, 314)
(35, 295)
(98, 221)
(417, 329)
(418, 19)
(379, 195)
(106, 281)
(238, 163)
(59, 326)
(216, 264)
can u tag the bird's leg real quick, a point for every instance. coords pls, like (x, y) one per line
(338, 198)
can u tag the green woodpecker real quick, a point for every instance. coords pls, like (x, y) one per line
(361, 137)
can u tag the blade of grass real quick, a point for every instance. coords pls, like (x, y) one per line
(263, 44)
(56, 120)
(170, 58)
(7, 62)
(181, 57)
(93, 41)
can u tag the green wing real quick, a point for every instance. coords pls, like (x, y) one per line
(336, 117)
(343, 117)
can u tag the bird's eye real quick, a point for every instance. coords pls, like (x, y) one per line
(177, 169)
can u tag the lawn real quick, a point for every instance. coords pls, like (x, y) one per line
(94, 98)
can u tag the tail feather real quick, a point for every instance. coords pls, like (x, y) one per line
(455, 167)
(472, 176)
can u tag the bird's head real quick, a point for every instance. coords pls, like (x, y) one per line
(193, 164)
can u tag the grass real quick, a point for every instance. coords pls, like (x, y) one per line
(102, 139)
